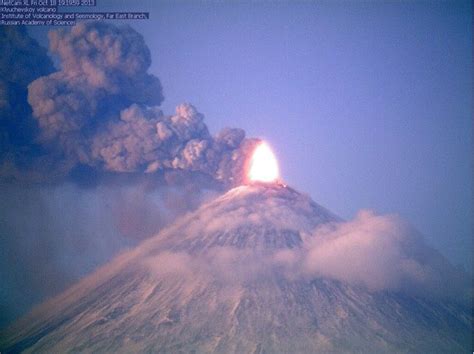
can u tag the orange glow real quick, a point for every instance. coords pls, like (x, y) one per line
(263, 165)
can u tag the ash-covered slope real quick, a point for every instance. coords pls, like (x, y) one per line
(239, 276)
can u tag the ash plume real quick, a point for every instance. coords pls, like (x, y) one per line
(101, 109)
(103, 70)
(93, 127)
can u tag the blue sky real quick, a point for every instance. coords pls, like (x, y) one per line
(367, 104)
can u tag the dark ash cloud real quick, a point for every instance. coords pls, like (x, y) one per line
(103, 70)
(101, 109)
(89, 163)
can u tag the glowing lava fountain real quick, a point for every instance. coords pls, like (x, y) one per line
(263, 165)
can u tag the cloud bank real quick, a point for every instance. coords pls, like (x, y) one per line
(377, 252)
(380, 252)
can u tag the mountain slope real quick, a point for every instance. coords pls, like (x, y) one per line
(223, 279)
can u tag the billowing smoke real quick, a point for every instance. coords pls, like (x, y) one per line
(103, 71)
(86, 136)
(101, 110)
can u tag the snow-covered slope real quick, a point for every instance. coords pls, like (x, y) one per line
(227, 278)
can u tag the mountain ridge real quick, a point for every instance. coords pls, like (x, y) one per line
(226, 278)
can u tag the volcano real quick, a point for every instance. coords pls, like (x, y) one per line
(225, 279)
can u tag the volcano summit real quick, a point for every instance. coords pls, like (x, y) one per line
(261, 269)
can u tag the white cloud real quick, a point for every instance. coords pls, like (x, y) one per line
(378, 252)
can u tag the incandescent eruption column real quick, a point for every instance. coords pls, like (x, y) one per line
(263, 165)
